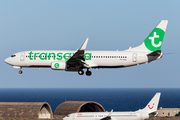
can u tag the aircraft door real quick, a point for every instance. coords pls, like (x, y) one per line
(22, 56)
(134, 57)
(73, 117)
(141, 116)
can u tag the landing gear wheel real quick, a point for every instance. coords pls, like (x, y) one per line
(88, 73)
(80, 72)
(20, 72)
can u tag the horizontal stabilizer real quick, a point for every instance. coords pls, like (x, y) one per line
(155, 53)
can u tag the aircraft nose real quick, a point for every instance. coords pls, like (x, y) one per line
(7, 60)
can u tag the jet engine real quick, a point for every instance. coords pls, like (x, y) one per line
(58, 65)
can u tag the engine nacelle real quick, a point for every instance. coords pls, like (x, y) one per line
(58, 65)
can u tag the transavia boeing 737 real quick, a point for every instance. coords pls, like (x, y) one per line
(147, 112)
(78, 60)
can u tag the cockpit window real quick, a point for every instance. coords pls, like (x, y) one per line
(68, 115)
(13, 55)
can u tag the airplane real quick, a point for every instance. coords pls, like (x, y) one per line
(141, 114)
(67, 60)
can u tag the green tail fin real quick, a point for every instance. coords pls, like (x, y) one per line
(155, 39)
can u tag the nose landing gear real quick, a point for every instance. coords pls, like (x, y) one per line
(20, 72)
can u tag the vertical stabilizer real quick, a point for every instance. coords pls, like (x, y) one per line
(155, 39)
(153, 104)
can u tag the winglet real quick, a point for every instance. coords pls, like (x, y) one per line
(83, 47)
(110, 113)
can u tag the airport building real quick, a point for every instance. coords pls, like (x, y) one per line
(68, 107)
(42, 110)
(168, 112)
(25, 110)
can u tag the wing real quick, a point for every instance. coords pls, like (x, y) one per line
(107, 117)
(77, 61)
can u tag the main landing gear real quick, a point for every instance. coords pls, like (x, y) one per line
(80, 72)
(88, 73)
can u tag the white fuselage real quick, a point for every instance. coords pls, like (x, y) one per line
(100, 115)
(95, 59)
(81, 59)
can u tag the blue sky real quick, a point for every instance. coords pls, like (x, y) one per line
(109, 25)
